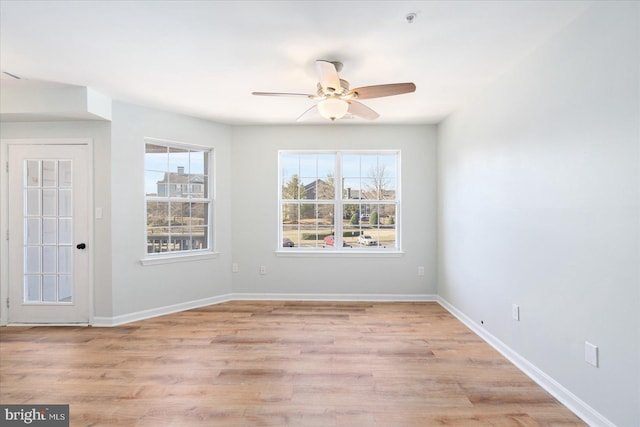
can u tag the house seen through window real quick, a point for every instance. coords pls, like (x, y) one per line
(178, 199)
(339, 200)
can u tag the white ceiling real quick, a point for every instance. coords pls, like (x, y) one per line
(204, 58)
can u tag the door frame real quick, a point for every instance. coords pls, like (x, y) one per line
(4, 216)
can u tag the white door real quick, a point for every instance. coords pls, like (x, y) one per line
(48, 234)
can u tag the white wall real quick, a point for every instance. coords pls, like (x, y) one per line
(100, 134)
(135, 287)
(539, 182)
(254, 185)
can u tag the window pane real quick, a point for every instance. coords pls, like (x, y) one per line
(157, 239)
(178, 160)
(388, 191)
(310, 237)
(157, 214)
(291, 233)
(351, 188)
(325, 189)
(180, 214)
(197, 163)
(351, 166)
(308, 165)
(292, 189)
(199, 214)
(388, 162)
(180, 239)
(290, 213)
(155, 183)
(326, 164)
(199, 238)
(156, 158)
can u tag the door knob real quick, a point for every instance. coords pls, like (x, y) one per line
(81, 246)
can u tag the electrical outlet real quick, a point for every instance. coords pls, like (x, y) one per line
(421, 271)
(234, 267)
(591, 354)
(515, 312)
(263, 269)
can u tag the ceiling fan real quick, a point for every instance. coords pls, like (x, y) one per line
(336, 99)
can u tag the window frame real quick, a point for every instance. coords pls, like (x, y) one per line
(151, 258)
(339, 203)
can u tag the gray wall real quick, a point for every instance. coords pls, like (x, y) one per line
(136, 287)
(539, 206)
(254, 184)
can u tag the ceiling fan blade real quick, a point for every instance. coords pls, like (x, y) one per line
(378, 91)
(328, 75)
(310, 113)
(359, 109)
(282, 94)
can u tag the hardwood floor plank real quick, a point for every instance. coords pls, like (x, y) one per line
(282, 363)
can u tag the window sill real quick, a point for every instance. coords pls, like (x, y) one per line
(341, 254)
(169, 259)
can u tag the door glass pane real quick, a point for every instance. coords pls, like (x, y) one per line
(64, 173)
(49, 173)
(49, 203)
(32, 288)
(64, 202)
(65, 288)
(64, 259)
(32, 173)
(49, 293)
(33, 202)
(49, 264)
(48, 219)
(33, 231)
(32, 259)
(49, 231)
(65, 231)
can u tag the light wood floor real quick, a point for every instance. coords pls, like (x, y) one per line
(276, 364)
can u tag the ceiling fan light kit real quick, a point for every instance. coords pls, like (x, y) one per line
(333, 108)
(335, 98)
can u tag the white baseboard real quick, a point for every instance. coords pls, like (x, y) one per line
(570, 400)
(155, 312)
(334, 297)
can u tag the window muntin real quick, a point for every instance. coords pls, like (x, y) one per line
(361, 188)
(178, 199)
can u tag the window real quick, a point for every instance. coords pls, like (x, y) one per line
(339, 201)
(178, 198)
